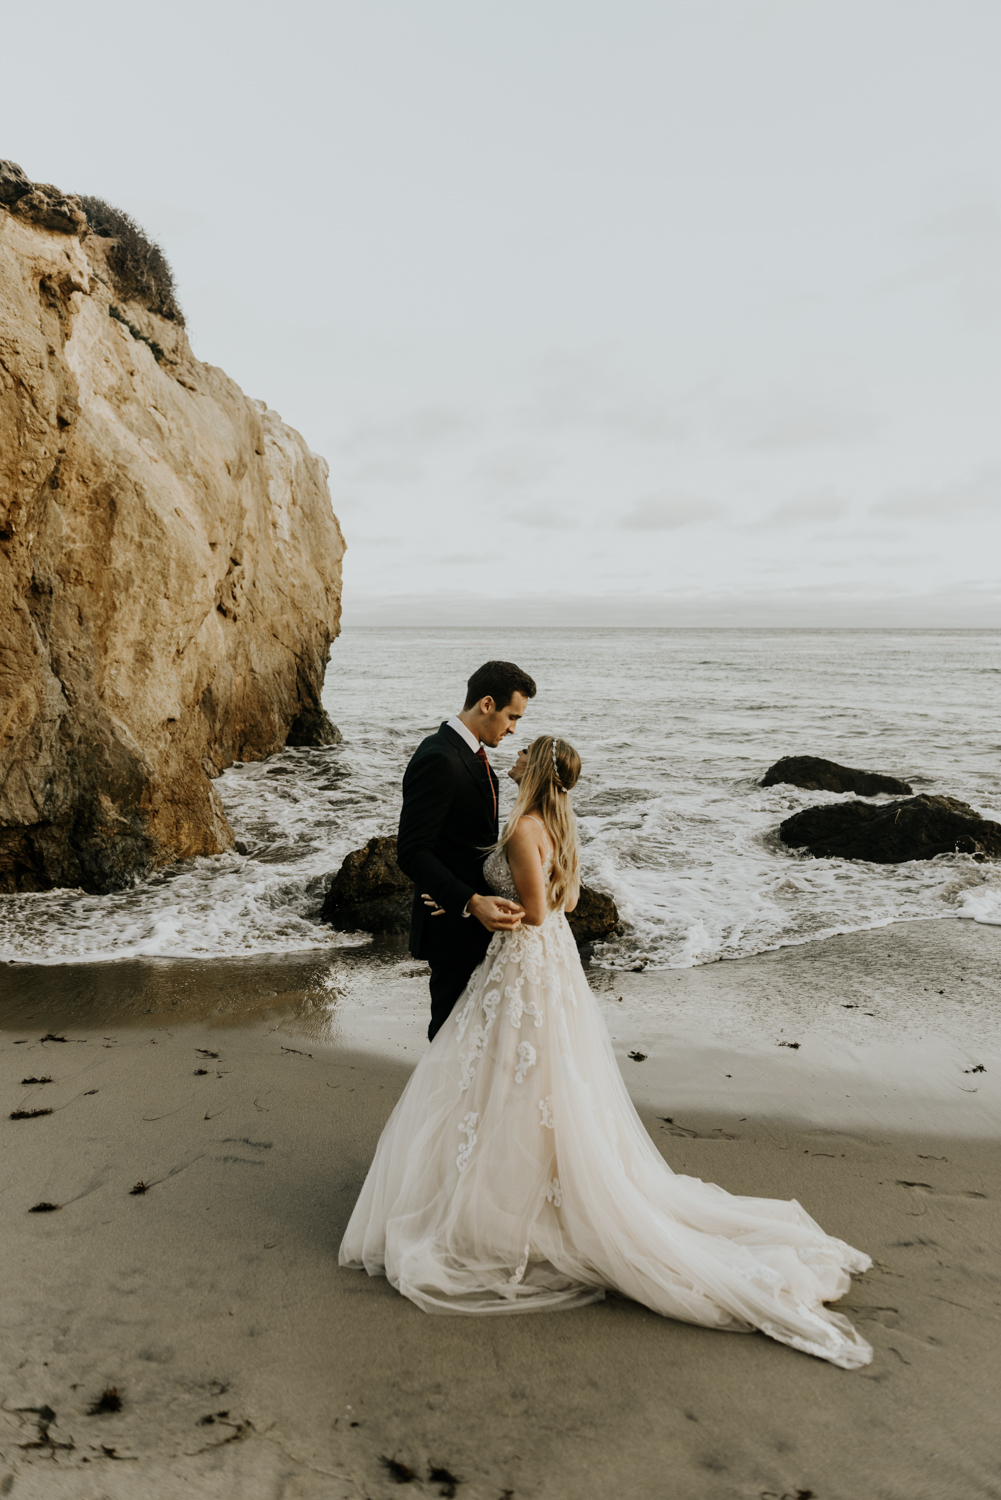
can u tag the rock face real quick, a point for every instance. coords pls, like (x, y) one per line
(816, 775)
(169, 569)
(371, 893)
(891, 832)
(39, 202)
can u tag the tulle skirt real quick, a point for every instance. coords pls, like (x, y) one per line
(514, 1176)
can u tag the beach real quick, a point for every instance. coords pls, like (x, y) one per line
(622, 385)
(859, 1074)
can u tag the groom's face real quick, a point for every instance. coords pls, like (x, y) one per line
(498, 722)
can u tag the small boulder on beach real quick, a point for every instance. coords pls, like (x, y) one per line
(816, 775)
(888, 833)
(594, 917)
(370, 893)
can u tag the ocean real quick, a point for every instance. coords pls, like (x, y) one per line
(675, 729)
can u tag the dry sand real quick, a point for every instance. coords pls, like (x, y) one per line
(249, 1097)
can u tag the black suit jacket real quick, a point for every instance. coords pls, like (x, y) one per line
(447, 823)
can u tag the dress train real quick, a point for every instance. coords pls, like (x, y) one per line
(514, 1176)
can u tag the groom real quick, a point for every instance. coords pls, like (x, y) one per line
(448, 822)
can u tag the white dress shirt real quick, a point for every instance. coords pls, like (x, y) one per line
(467, 734)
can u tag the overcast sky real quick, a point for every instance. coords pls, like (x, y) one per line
(686, 311)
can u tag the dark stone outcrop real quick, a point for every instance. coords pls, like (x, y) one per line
(594, 917)
(15, 183)
(816, 775)
(889, 833)
(312, 725)
(370, 893)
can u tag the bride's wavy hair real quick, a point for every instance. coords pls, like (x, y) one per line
(553, 769)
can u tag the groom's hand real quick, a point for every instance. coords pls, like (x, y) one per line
(496, 913)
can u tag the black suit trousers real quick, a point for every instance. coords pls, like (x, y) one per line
(448, 980)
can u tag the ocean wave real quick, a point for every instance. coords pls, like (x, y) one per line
(674, 823)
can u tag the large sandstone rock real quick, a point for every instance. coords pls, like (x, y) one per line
(169, 569)
(370, 893)
(890, 832)
(816, 775)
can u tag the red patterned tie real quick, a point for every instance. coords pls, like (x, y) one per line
(481, 754)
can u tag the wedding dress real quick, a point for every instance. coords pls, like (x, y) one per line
(514, 1175)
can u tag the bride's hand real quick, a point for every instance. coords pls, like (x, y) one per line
(496, 913)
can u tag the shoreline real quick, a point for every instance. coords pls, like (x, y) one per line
(217, 1290)
(879, 1025)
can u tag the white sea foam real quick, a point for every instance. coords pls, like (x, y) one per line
(675, 729)
(983, 904)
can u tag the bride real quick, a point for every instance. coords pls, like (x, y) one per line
(514, 1175)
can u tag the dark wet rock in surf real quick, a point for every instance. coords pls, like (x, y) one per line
(370, 893)
(889, 833)
(594, 917)
(814, 774)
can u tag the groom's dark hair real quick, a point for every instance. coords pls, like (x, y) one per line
(499, 680)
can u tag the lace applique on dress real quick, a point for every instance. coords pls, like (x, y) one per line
(526, 1060)
(761, 1275)
(468, 1129)
(478, 1039)
(515, 1280)
(546, 1106)
(554, 1193)
(519, 1007)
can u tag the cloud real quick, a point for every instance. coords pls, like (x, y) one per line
(393, 450)
(588, 389)
(940, 502)
(515, 465)
(801, 426)
(968, 258)
(890, 561)
(852, 602)
(667, 513)
(545, 518)
(419, 429)
(808, 510)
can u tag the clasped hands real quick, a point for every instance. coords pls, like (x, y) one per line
(496, 913)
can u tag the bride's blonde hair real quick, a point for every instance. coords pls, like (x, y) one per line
(553, 769)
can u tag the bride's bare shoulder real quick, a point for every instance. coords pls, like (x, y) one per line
(528, 833)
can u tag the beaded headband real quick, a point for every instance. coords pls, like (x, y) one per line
(556, 769)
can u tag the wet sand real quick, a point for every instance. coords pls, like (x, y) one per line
(249, 1097)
